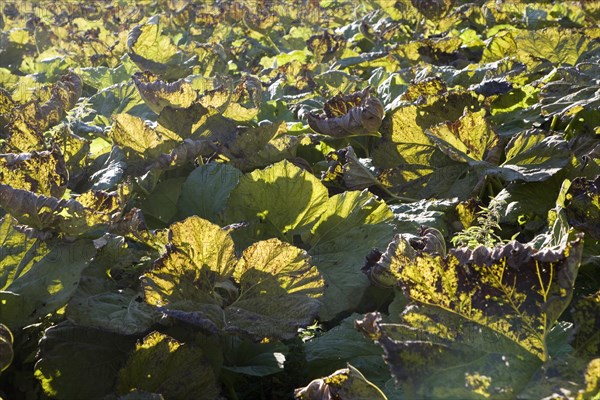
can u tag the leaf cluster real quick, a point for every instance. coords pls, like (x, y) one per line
(323, 199)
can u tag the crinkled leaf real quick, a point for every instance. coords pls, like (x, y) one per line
(352, 223)
(354, 114)
(206, 190)
(574, 96)
(582, 206)
(469, 139)
(75, 150)
(38, 279)
(347, 383)
(586, 313)
(29, 121)
(159, 94)
(269, 292)
(150, 50)
(76, 362)
(41, 172)
(514, 290)
(409, 217)
(72, 217)
(139, 139)
(280, 200)
(110, 172)
(260, 146)
(325, 46)
(434, 354)
(185, 152)
(559, 46)
(245, 100)
(279, 289)
(161, 364)
(355, 173)
(6, 347)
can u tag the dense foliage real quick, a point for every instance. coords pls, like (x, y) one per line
(318, 199)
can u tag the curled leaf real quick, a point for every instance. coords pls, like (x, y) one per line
(515, 290)
(347, 115)
(41, 172)
(29, 121)
(326, 46)
(159, 94)
(347, 383)
(72, 217)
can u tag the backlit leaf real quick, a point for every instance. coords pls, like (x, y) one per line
(270, 292)
(278, 201)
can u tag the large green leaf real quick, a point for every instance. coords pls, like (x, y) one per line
(101, 302)
(555, 45)
(278, 201)
(269, 292)
(206, 190)
(469, 139)
(255, 359)
(352, 223)
(532, 156)
(37, 278)
(433, 354)
(260, 146)
(162, 202)
(76, 362)
(117, 99)
(279, 290)
(161, 364)
(587, 317)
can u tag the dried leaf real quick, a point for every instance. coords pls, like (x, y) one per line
(348, 115)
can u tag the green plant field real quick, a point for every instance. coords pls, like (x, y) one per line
(315, 199)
